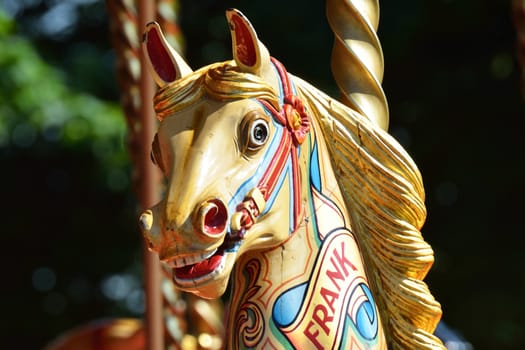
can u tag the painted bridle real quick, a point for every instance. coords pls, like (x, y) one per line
(294, 119)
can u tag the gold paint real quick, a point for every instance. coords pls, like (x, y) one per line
(235, 223)
(357, 57)
(384, 194)
(294, 119)
(219, 81)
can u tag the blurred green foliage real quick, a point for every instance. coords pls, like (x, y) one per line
(72, 249)
(70, 239)
(37, 102)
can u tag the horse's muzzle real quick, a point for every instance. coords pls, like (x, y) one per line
(209, 222)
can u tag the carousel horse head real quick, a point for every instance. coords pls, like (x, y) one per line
(255, 158)
(225, 136)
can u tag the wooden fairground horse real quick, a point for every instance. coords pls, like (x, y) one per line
(303, 205)
(309, 208)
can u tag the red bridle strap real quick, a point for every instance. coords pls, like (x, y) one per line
(296, 122)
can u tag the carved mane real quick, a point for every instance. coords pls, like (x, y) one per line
(220, 81)
(384, 194)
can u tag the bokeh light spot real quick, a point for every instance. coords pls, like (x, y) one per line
(44, 279)
(117, 287)
(135, 301)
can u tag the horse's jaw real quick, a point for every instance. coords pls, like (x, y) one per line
(208, 278)
(207, 275)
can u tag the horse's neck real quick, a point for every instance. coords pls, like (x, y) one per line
(270, 288)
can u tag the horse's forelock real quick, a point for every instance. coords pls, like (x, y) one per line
(219, 81)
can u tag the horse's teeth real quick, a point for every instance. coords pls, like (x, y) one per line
(199, 280)
(189, 259)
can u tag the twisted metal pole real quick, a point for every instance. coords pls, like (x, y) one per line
(357, 66)
(357, 58)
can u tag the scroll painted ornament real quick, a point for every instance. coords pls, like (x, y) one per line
(307, 207)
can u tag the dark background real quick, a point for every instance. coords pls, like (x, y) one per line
(71, 249)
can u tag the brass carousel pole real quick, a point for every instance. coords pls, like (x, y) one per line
(357, 66)
(357, 57)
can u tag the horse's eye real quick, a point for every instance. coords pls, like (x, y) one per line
(259, 133)
(255, 131)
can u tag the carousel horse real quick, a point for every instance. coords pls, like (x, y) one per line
(307, 210)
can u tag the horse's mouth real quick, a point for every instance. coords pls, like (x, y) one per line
(194, 269)
(199, 266)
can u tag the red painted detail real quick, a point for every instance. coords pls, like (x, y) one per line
(294, 118)
(215, 220)
(199, 269)
(244, 42)
(312, 336)
(246, 219)
(297, 120)
(279, 117)
(159, 56)
(286, 85)
(296, 188)
(276, 166)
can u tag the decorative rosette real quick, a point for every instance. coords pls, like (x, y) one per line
(297, 120)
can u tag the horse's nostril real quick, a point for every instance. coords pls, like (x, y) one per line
(213, 216)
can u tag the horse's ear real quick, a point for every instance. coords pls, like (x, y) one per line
(165, 64)
(249, 53)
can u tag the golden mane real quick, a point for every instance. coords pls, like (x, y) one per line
(220, 81)
(384, 194)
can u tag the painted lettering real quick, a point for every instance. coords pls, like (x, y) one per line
(335, 275)
(325, 306)
(343, 260)
(329, 297)
(313, 336)
(322, 318)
